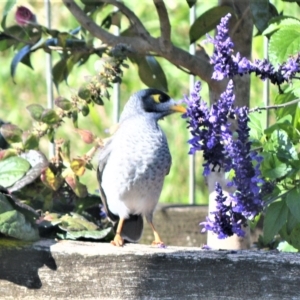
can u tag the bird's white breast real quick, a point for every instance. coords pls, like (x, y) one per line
(139, 160)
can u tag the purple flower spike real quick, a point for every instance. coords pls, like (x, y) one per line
(227, 65)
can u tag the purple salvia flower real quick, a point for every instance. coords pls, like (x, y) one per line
(246, 199)
(209, 127)
(227, 65)
(224, 222)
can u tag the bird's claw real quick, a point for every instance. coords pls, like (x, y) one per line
(158, 244)
(117, 241)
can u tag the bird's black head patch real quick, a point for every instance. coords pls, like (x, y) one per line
(151, 98)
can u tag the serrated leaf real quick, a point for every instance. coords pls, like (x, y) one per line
(275, 218)
(284, 43)
(63, 103)
(50, 117)
(279, 22)
(14, 224)
(287, 110)
(11, 133)
(35, 111)
(208, 21)
(12, 169)
(293, 202)
(22, 55)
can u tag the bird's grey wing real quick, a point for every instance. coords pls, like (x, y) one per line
(104, 155)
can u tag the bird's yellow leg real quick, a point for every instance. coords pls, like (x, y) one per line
(157, 239)
(118, 241)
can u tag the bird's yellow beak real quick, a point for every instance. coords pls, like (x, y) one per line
(178, 108)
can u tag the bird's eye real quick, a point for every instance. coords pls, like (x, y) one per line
(160, 98)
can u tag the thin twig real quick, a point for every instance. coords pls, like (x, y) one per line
(255, 109)
(164, 22)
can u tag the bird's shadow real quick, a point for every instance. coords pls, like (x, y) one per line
(20, 262)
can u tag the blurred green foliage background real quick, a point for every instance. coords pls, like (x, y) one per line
(30, 88)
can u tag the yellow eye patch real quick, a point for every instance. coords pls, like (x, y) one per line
(159, 98)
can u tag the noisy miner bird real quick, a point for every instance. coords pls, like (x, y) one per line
(133, 164)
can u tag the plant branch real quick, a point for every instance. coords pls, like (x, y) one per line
(164, 21)
(258, 109)
(133, 19)
(142, 42)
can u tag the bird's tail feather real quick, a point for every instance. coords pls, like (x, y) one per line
(132, 228)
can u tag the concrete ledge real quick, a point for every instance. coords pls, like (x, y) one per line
(81, 270)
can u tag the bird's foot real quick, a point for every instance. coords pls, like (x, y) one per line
(117, 241)
(159, 244)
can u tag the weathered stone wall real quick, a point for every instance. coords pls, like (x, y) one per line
(84, 270)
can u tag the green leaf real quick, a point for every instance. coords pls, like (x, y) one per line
(87, 202)
(279, 22)
(293, 238)
(291, 222)
(76, 222)
(208, 21)
(63, 103)
(30, 214)
(14, 224)
(50, 117)
(260, 12)
(151, 73)
(286, 247)
(284, 98)
(275, 218)
(284, 43)
(35, 111)
(86, 234)
(11, 133)
(30, 141)
(58, 71)
(22, 56)
(191, 3)
(75, 118)
(38, 162)
(8, 6)
(85, 110)
(12, 169)
(293, 202)
(84, 92)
